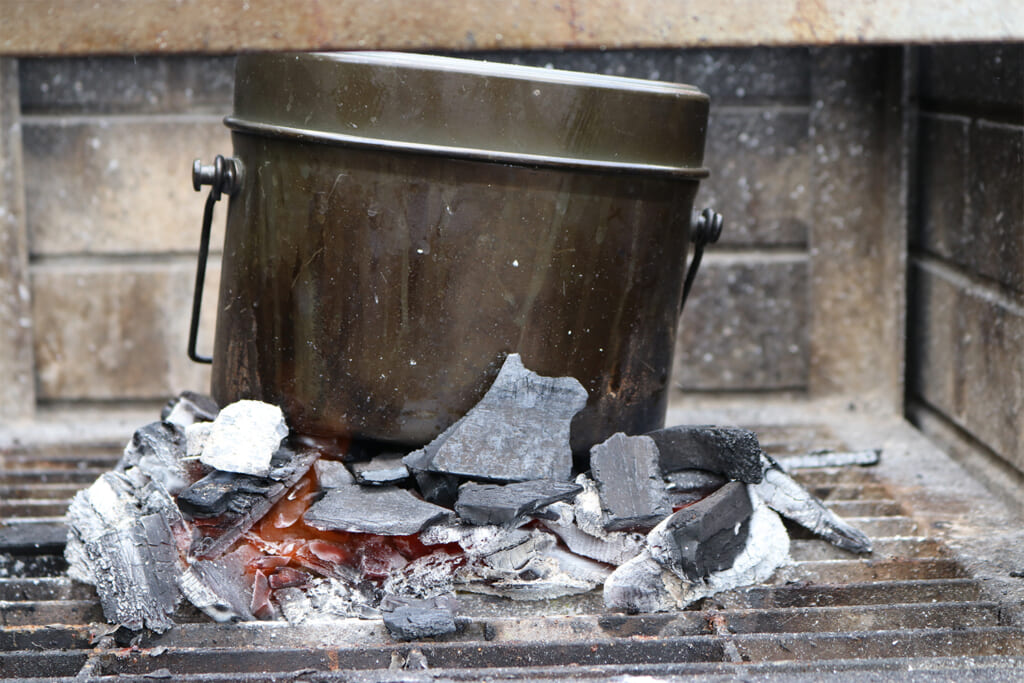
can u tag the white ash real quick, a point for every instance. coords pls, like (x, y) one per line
(196, 436)
(611, 547)
(333, 474)
(244, 438)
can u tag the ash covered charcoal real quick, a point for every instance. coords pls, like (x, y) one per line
(129, 552)
(326, 599)
(230, 504)
(504, 504)
(629, 482)
(385, 511)
(645, 585)
(705, 537)
(787, 497)
(189, 407)
(385, 469)
(244, 437)
(415, 619)
(332, 474)
(610, 547)
(219, 588)
(158, 450)
(517, 432)
(730, 451)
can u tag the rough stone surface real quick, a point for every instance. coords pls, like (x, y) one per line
(244, 438)
(629, 482)
(746, 323)
(385, 511)
(117, 331)
(383, 470)
(494, 504)
(518, 431)
(730, 451)
(705, 537)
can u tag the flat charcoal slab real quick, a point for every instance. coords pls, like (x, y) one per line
(705, 537)
(383, 470)
(493, 504)
(385, 511)
(633, 494)
(517, 432)
(730, 451)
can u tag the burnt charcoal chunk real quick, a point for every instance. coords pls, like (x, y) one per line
(333, 474)
(217, 492)
(519, 430)
(386, 511)
(705, 537)
(730, 451)
(412, 619)
(244, 438)
(188, 408)
(629, 482)
(493, 504)
(383, 470)
(158, 450)
(440, 489)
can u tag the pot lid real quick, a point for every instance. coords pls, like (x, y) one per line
(475, 109)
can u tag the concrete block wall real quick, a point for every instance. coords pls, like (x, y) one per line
(965, 348)
(112, 221)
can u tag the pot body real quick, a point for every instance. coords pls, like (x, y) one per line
(402, 223)
(376, 294)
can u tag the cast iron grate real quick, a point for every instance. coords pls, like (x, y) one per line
(909, 606)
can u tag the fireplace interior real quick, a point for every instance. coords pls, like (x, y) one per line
(866, 295)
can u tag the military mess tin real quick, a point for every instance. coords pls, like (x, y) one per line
(399, 223)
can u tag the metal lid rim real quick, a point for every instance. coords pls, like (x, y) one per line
(494, 156)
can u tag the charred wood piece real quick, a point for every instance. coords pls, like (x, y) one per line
(495, 504)
(705, 537)
(333, 474)
(188, 408)
(158, 450)
(517, 432)
(413, 619)
(385, 511)
(386, 469)
(729, 451)
(791, 500)
(629, 482)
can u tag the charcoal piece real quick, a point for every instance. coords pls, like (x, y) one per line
(219, 588)
(730, 451)
(517, 432)
(218, 491)
(128, 554)
(629, 482)
(440, 489)
(495, 504)
(244, 438)
(475, 541)
(158, 450)
(386, 511)
(189, 407)
(247, 501)
(412, 619)
(639, 586)
(385, 469)
(791, 500)
(333, 474)
(610, 547)
(705, 537)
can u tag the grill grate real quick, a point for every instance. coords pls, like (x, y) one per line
(911, 605)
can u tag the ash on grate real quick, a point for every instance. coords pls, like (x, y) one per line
(229, 511)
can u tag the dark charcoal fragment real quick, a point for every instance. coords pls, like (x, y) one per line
(493, 504)
(517, 432)
(383, 470)
(386, 511)
(440, 489)
(413, 619)
(215, 493)
(732, 452)
(629, 482)
(705, 537)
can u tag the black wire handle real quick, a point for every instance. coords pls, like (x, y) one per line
(706, 229)
(224, 176)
